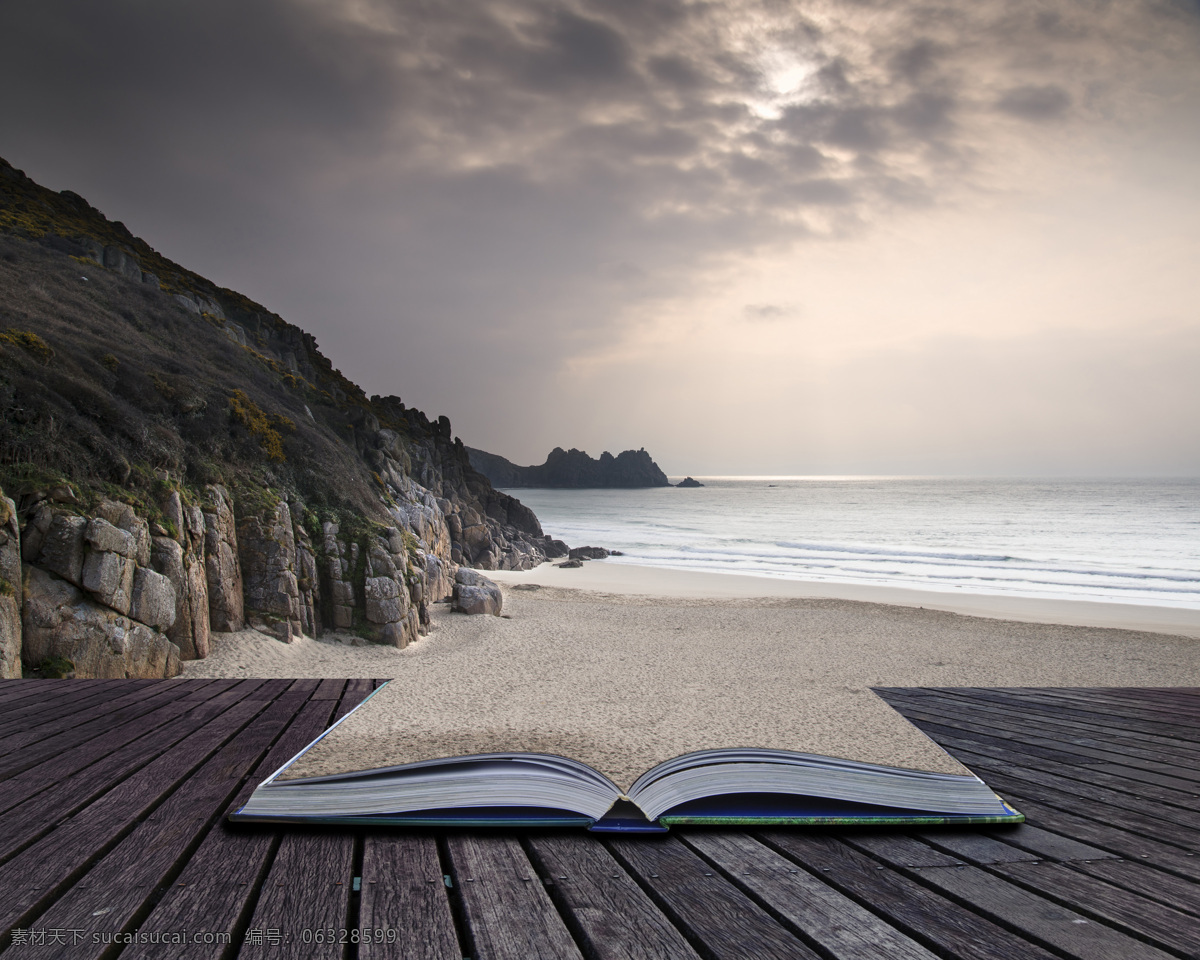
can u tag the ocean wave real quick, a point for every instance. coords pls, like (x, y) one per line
(1094, 539)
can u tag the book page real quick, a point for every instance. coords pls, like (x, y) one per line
(620, 686)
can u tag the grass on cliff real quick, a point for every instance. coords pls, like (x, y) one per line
(130, 383)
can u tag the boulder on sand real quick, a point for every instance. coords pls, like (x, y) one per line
(475, 593)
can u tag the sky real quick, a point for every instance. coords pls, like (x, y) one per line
(753, 237)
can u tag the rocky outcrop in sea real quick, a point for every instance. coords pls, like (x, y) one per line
(179, 460)
(573, 469)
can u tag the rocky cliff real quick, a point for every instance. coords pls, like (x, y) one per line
(177, 459)
(572, 469)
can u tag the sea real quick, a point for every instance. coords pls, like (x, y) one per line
(1132, 541)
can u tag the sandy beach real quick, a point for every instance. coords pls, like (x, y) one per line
(798, 668)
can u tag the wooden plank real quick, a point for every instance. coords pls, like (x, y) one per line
(216, 889)
(1136, 775)
(109, 897)
(1163, 926)
(1109, 836)
(1048, 845)
(716, 916)
(1035, 916)
(1017, 735)
(995, 717)
(988, 752)
(1100, 706)
(1105, 786)
(303, 909)
(1154, 821)
(164, 709)
(508, 911)
(37, 745)
(902, 849)
(831, 920)
(1087, 752)
(356, 692)
(13, 692)
(1142, 878)
(975, 847)
(1151, 736)
(404, 912)
(330, 689)
(36, 876)
(926, 916)
(49, 802)
(610, 915)
(67, 711)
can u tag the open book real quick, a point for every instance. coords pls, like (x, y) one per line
(343, 777)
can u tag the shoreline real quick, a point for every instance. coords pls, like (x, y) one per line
(628, 579)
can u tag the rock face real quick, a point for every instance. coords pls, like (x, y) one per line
(98, 641)
(267, 549)
(588, 553)
(10, 587)
(475, 593)
(573, 469)
(180, 558)
(221, 567)
(203, 463)
(109, 568)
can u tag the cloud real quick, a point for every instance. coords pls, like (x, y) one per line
(1035, 103)
(459, 197)
(768, 312)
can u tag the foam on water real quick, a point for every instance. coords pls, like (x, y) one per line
(1136, 541)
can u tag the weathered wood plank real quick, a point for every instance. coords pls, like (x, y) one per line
(305, 898)
(705, 905)
(404, 911)
(49, 802)
(1066, 723)
(110, 895)
(160, 711)
(1112, 836)
(508, 911)
(12, 692)
(1145, 879)
(329, 689)
(975, 847)
(611, 916)
(923, 914)
(32, 879)
(900, 848)
(1048, 845)
(223, 876)
(1025, 737)
(1021, 738)
(1035, 916)
(1104, 786)
(823, 915)
(1161, 712)
(35, 746)
(46, 719)
(1021, 785)
(355, 693)
(55, 697)
(1163, 926)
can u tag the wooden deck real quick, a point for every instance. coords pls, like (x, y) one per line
(113, 843)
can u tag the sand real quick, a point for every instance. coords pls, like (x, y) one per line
(623, 680)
